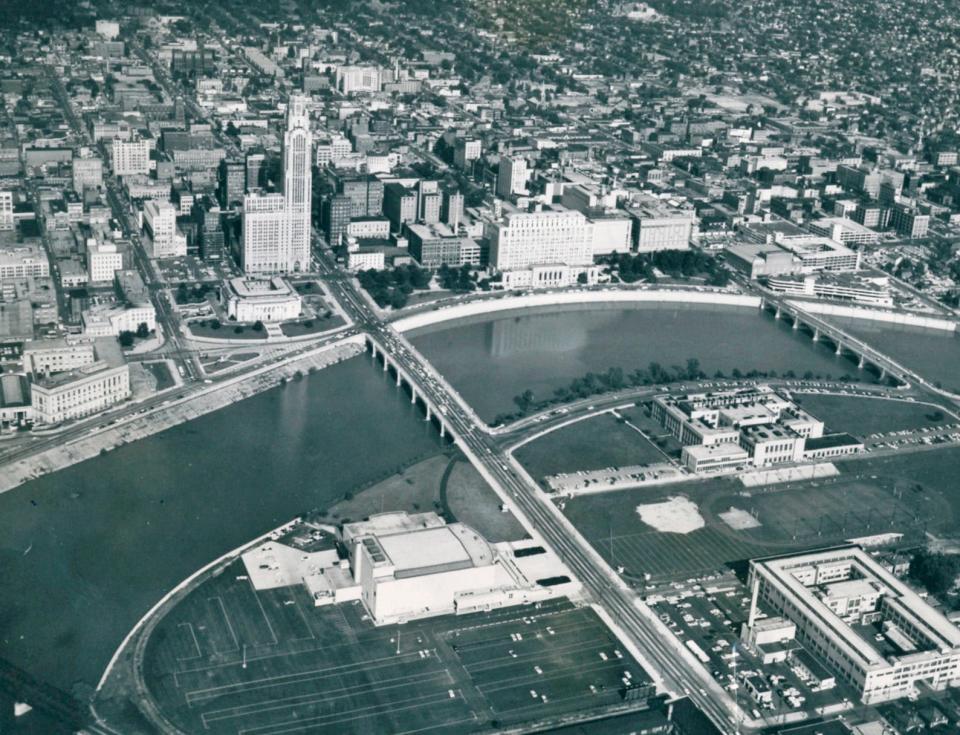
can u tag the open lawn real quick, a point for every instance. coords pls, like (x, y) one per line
(413, 489)
(471, 500)
(311, 326)
(227, 330)
(161, 372)
(229, 659)
(910, 494)
(864, 416)
(591, 444)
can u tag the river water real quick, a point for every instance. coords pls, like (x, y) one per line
(933, 353)
(491, 361)
(84, 553)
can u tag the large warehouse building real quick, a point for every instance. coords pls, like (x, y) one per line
(407, 566)
(872, 629)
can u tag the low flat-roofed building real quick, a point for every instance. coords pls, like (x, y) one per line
(436, 244)
(885, 645)
(830, 446)
(714, 458)
(835, 286)
(58, 355)
(366, 258)
(844, 230)
(767, 426)
(261, 299)
(22, 260)
(15, 408)
(106, 320)
(557, 275)
(82, 391)
(414, 566)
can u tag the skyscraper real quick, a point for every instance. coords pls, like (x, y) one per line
(276, 227)
(297, 183)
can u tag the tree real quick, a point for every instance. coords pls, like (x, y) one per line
(126, 338)
(143, 331)
(936, 572)
(258, 326)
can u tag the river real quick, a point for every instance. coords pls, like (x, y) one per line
(933, 353)
(84, 553)
(492, 360)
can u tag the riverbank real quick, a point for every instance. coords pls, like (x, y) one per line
(888, 316)
(510, 302)
(101, 441)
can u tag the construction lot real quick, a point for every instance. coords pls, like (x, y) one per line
(228, 659)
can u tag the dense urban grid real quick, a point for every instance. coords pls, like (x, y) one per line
(674, 284)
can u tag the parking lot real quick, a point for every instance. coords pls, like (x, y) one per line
(708, 618)
(229, 659)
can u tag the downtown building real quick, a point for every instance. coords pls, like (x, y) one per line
(542, 249)
(276, 227)
(93, 377)
(880, 636)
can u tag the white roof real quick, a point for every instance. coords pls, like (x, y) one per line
(427, 548)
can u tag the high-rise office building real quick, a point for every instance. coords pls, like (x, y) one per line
(466, 151)
(160, 223)
(297, 183)
(277, 227)
(6, 210)
(131, 157)
(523, 239)
(511, 176)
(399, 204)
(264, 232)
(233, 183)
(451, 211)
(255, 164)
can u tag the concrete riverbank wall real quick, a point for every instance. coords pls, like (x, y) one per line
(878, 315)
(510, 302)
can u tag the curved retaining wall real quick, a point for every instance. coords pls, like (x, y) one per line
(878, 315)
(509, 303)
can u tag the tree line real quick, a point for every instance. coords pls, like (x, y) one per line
(675, 263)
(393, 287)
(615, 379)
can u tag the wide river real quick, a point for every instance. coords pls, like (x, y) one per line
(492, 360)
(84, 553)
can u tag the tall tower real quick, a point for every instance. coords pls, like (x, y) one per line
(297, 183)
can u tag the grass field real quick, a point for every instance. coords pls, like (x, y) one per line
(591, 444)
(864, 416)
(448, 486)
(231, 660)
(161, 372)
(910, 494)
(471, 500)
(316, 326)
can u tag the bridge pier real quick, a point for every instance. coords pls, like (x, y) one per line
(778, 314)
(427, 417)
(398, 379)
(443, 430)
(883, 374)
(839, 348)
(862, 362)
(796, 323)
(816, 334)
(386, 365)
